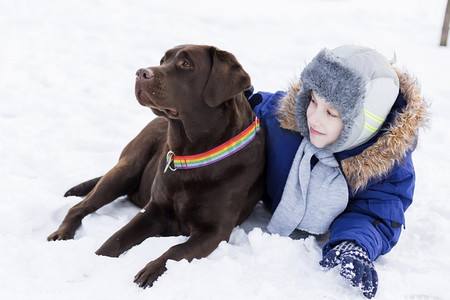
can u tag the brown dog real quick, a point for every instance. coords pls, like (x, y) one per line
(198, 92)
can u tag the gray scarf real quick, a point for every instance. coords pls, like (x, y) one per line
(311, 199)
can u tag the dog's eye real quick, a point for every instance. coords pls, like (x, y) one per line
(186, 64)
(161, 61)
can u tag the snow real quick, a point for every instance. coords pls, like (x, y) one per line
(68, 108)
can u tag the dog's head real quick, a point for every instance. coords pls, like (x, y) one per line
(190, 78)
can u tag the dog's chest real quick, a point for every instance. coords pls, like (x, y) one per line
(189, 199)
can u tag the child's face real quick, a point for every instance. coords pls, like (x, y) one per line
(324, 122)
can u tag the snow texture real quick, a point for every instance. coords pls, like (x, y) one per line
(67, 108)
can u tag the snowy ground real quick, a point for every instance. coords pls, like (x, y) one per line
(68, 108)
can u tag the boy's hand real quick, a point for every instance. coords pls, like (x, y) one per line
(355, 266)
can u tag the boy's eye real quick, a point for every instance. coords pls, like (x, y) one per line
(332, 114)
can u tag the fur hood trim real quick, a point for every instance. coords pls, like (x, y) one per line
(393, 145)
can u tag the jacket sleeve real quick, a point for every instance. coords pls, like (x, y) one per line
(374, 216)
(281, 146)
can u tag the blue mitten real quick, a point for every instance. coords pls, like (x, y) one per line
(355, 266)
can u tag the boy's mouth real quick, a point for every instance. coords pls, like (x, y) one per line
(313, 131)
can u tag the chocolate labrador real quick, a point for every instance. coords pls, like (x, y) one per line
(195, 170)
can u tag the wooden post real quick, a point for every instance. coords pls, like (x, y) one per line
(444, 35)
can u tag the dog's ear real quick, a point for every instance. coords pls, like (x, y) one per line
(226, 80)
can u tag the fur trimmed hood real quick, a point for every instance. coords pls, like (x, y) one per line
(391, 147)
(359, 82)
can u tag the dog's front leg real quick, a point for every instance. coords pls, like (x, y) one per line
(150, 221)
(199, 245)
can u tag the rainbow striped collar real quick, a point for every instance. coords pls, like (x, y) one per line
(174, 162)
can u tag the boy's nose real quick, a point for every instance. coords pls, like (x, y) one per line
(314, 119)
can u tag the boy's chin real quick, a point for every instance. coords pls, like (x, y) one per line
(319, 144)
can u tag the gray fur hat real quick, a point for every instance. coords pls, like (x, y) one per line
(359, 82)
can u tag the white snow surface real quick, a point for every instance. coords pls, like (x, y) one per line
(67, 72)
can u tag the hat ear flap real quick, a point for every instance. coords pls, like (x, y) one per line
(226, 80)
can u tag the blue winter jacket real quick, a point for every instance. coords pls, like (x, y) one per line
(375, 212)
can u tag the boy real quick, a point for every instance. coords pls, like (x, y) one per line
(338, 156)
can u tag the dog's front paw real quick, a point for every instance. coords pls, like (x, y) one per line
(148, 275)
(110, 248)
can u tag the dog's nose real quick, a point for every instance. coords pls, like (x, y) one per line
(144, 74)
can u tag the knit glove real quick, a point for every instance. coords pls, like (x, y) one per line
(356, 266)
